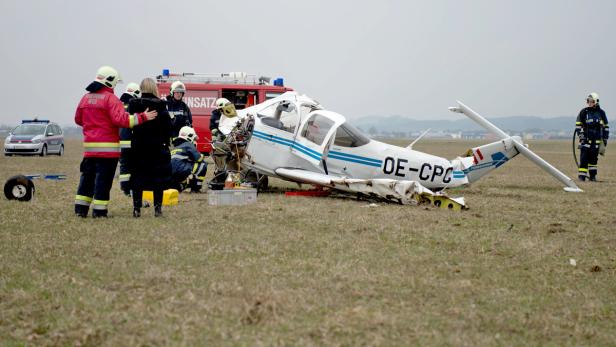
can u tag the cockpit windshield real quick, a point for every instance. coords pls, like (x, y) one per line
(349, 136)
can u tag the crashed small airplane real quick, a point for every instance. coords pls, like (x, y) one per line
(294, 138)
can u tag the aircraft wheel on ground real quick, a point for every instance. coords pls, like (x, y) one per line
(19, 188)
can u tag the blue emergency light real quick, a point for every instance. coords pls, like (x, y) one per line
(279, 82)
(166, 72)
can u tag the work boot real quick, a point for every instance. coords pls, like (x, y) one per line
(158, 211)
(99, 213)
(81, 211)
(136, 212)
(582, 178)
(593, 179)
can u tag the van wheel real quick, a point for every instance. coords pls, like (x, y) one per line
(44, 151)
(61, 151)
(19, 188)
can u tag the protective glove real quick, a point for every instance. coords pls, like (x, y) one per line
(602, 147)
(214, 132)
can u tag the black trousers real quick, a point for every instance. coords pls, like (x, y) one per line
(94, 186)
(125, 170)
(138, 197)
(589, 155)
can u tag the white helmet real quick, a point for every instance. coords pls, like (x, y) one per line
(178, 86)
(594, 96)
(107, 76)
(221, 102)
(187, 133)
(133, 90)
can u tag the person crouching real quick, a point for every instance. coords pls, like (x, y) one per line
(187, 164)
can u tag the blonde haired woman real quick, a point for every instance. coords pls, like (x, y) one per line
(150, 158)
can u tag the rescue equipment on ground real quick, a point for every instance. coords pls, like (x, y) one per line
(232, 197)
(57, 177)
(19, 188)
(170, 197)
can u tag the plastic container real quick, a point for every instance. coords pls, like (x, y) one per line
(170, 197)
(232, 197)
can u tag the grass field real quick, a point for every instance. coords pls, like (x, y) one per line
(315, 271)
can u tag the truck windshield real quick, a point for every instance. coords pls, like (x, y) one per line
(29, 129)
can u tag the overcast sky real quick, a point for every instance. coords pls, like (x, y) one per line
(359, 58)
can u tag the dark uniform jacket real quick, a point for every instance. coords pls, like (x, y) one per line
(215, 119)
(125, 133)
(180, 114)
(183, 159)
(150, 158)
(592, 125)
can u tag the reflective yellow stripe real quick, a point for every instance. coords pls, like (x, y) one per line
(102, 144)
(132, 120)
(100, 204)
(200, 158)
(125, 144)
(578, 123)
(582, 169)
(195, 167)
(174, 151)
(83, 198)
(124, 178)
(592, 165)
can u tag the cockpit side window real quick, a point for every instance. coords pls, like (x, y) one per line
(282, 115)
(317, 128)
(348, 136)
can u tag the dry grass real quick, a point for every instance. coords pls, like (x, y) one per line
(315, 271)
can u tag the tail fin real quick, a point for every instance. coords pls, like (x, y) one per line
(479, 161)
(518, 145)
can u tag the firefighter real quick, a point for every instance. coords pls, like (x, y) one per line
(178, 110)
(101, 115)
(221, 150)
(187, 164)
(132, 91)
(593, 131)
(215, 118)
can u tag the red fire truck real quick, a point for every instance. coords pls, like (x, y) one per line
(202, 90)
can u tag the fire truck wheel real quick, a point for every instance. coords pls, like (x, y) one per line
(19, 188)
(44, 151)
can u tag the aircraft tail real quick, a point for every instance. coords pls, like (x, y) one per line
(508, 147)
(479, 161)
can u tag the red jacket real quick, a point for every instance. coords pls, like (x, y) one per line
(102, 114)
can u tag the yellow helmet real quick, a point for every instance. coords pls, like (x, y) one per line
(229, 110)
(178, 86)
(107, 76)
(133, 90)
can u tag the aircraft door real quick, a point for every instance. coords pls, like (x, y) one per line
(314, 135)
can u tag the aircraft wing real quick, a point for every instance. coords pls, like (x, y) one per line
(305, 176)
(404, 192)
